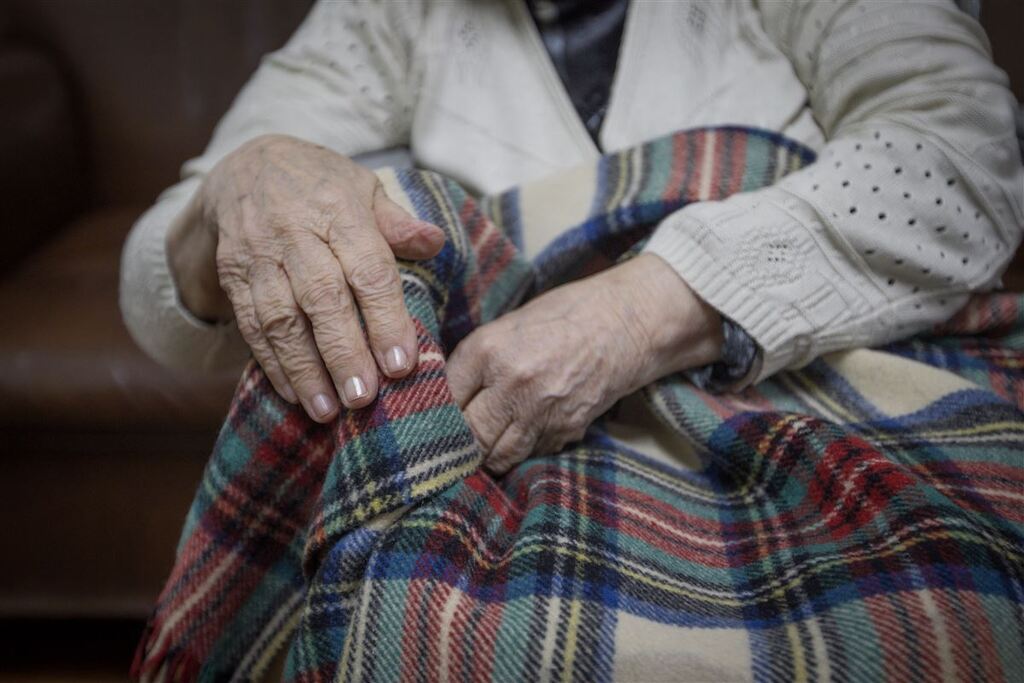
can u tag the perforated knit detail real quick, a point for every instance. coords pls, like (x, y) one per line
(915, 201)
(776, 255)
(904, 210)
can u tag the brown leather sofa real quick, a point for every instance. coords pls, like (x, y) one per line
(100, 449)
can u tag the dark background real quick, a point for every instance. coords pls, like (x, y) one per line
(100, 450)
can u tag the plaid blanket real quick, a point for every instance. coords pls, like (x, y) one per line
(858, 519)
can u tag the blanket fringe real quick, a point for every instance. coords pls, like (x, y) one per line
(151, 665)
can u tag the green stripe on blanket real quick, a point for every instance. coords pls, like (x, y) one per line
(858, 519)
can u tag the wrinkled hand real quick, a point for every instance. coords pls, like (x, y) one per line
(534, 379)
(305, 242)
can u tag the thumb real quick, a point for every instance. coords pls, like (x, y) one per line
(409, 237)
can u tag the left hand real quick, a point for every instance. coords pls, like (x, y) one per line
(534, 379)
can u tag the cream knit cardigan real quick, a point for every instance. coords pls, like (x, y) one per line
(916, 200)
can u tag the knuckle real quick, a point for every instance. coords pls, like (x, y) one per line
(484, 346)
(520, 374)
(248, 326)
(374, 279)
(245, 316)
(330, 216)
(281, 324)
(230, 271)
(389, 328)
(280, 221)
(498, 466)
(259, 268)
(341, 355)
(344, 308)
(267, 361)
(321, 297)
(334, 212)
(500, 460)
(491, 345)
(302, 371)
(512, 452)
(269, 366)
(485, 430)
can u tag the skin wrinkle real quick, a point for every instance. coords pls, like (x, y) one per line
(539, 375)
(322, 221)
(310, 244)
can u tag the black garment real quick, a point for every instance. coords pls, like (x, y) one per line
(582, 37)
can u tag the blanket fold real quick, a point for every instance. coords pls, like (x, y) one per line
(857, 519)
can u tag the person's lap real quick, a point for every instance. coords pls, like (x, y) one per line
(701, 504)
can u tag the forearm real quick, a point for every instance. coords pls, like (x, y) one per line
(674, 329)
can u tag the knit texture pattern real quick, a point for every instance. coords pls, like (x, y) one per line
(858, 519)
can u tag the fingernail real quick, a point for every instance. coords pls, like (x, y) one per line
(355, 389)
(322, 405)
(289, 394)
(396, 360)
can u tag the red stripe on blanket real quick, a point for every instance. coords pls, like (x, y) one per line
(674, 188)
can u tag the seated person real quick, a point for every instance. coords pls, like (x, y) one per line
(278, 243)
(276, 240)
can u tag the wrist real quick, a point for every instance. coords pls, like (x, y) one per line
(678, 329)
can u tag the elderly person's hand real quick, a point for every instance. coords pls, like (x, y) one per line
(296, 241)
(534, 379)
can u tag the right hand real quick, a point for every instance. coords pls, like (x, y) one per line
(305, 241)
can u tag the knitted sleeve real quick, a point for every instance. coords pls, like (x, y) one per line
(341, 81)
(914, 202)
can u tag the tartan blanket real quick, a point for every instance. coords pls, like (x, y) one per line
(858, 519)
